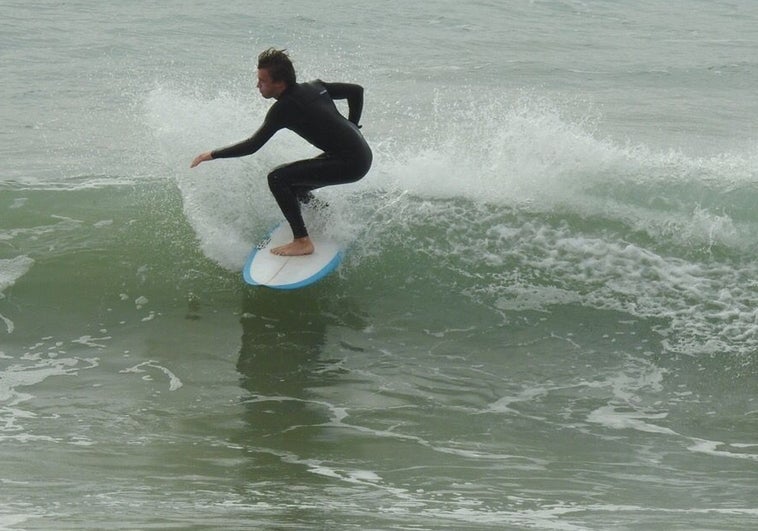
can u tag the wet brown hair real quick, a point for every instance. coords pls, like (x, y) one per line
(278, 65)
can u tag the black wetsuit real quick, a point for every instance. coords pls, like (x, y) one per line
(308, 109)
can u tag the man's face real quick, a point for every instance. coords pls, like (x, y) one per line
(268, 87)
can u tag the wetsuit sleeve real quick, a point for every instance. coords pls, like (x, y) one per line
(352, 93)
(249, 146)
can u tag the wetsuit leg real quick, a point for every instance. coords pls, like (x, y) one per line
(293, 182)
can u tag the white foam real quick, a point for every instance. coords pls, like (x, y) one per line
(16, 376)
(621, 419)
(9, 325)
(698, 306)
(525, 152)
(12, 269)
(340, 414)
(174, 382)
(227, 202)
(720, 449)
(92, 342)
(13, 520)
(503, 405)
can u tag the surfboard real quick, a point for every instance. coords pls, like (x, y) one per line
(263, 268)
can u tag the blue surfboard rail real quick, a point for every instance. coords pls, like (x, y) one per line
(318, 275)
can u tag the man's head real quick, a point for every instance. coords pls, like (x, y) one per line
(275, 73)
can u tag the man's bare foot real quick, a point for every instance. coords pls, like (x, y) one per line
(297, 247)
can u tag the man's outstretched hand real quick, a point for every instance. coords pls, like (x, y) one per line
(202, 157)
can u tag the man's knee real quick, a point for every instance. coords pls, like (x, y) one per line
(275, 179)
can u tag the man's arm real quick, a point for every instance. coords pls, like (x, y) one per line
(354, 96)
(248, 146)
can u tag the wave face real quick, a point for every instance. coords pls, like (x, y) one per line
(516, 203)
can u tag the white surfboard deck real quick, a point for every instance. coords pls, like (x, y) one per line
(290, 272)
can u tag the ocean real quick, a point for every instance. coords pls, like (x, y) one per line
(547, 316)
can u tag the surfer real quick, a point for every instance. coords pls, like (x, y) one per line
(308, 109)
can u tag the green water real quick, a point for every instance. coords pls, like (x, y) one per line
(546, 317)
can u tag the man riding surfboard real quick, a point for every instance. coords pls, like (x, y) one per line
(307, 109)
